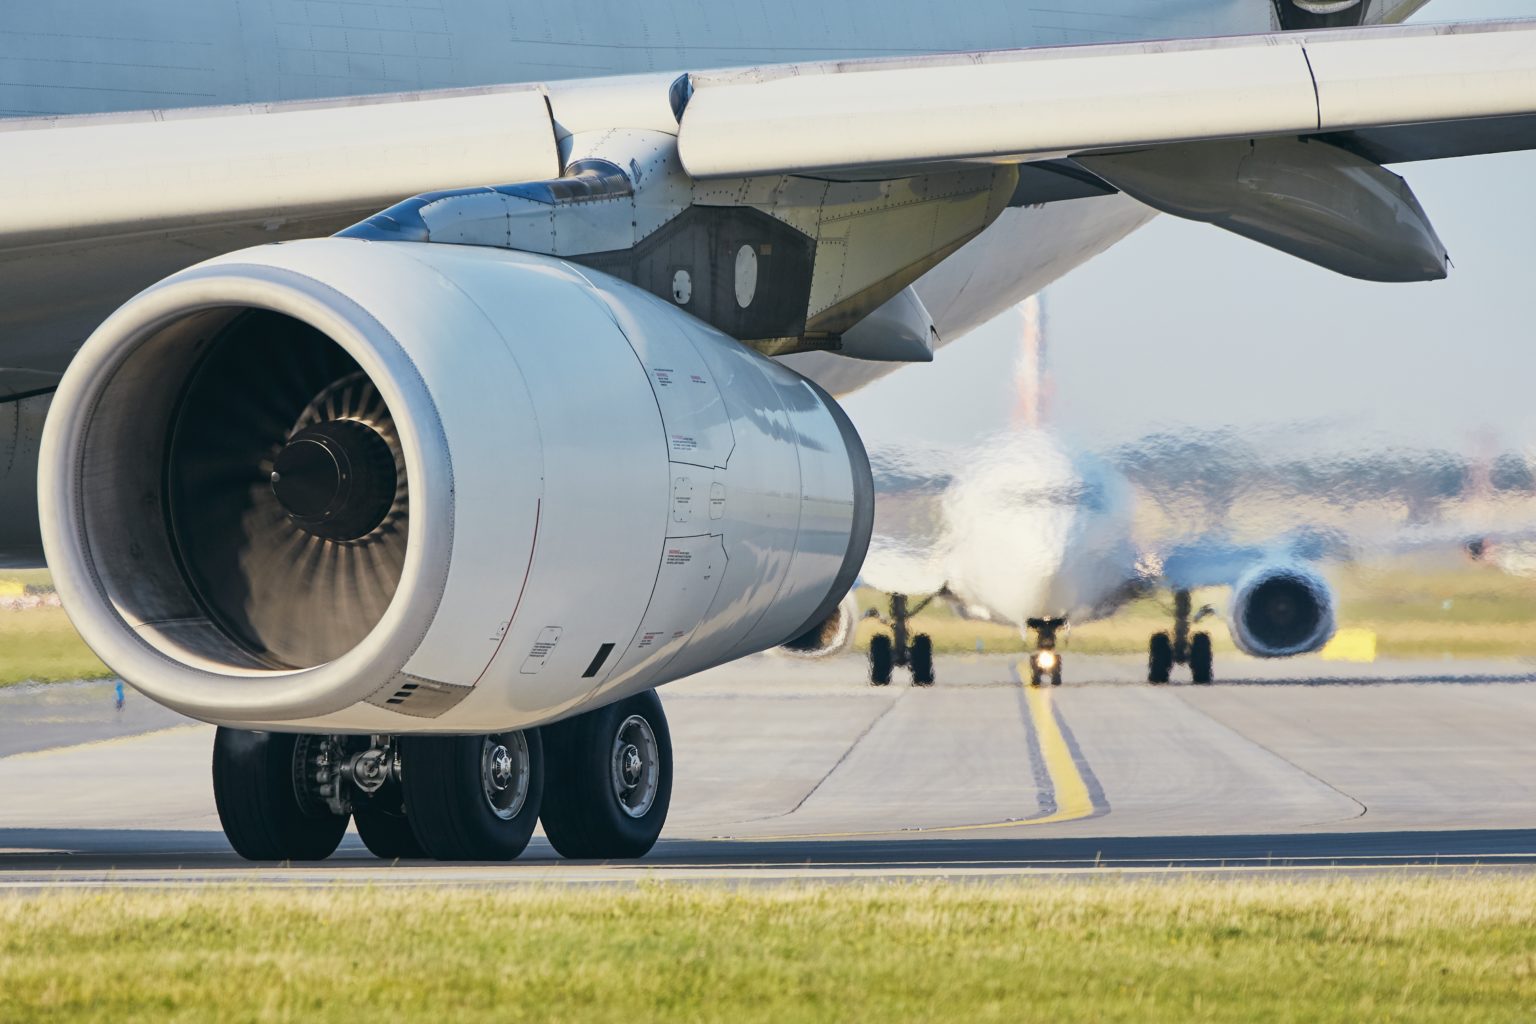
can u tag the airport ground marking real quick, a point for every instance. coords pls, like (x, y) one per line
(1068, 794)
(110, 741)
(1073, 801)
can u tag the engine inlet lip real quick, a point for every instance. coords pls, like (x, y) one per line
(137, 649)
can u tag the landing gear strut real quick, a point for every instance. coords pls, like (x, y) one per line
(889, 652)
(1181, 648)
(1045, 662)
(288, 797)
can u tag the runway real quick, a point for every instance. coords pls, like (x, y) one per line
(788, 769)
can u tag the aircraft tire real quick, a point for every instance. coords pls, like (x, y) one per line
(387, 834)
(1200, 658)
(609, 780)
(881, 660)
(1159, 658)
(254, 777)
(1056, 673)
(473, 797)
(922, 660)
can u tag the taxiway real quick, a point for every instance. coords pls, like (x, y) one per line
(789, 769)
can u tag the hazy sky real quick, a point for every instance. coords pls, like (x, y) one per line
(1184, 325)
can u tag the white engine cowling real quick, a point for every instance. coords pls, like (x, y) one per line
(340, 485)
(1281, 611)
(832, 635)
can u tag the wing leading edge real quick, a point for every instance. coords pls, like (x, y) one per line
(1407, 92)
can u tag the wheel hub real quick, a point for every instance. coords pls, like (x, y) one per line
(505, 770)
(501, 767)
(632, 765)
(636, 774)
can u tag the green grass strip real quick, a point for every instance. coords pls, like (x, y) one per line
(1459, 948)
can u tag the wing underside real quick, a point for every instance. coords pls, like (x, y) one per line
(1235, 130)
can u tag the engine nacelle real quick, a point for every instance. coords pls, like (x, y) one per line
(351, 486)
(832, 635)
(1281, 611)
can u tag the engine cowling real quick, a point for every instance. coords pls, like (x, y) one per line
(1281, 611)
(832, 635)
(340, 485)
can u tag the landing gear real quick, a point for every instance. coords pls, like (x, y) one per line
(288, 797)
(268, 789)
(1200, 657)
(380, 814)
(473, 797)
(1159, 658)
(889, 652)
(920, 658)
(1182, 648)
(1045, 662)
(881, 660)
(609, 780)
(388, 835)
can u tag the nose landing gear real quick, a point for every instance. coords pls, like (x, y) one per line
(1181, 648)
(1045, 662)
(886, 653)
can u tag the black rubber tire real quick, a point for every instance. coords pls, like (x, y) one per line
(387, 833)
(1200, 658)
(253, 790)
(922, 660)
(445, 802)
(1159, 658)
(582, 816)
(1034, 670)
(1056, 673)
(881, 660)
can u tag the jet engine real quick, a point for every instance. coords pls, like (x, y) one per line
(381, 487)
(1280, 611)
(831, 635)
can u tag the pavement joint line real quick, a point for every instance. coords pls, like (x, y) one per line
(1364, 810)
(111, 741)
(1069, 795)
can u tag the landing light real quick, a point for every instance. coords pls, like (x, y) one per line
(1046, 660)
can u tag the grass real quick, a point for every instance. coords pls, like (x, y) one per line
(40, 645)
(1457, 949)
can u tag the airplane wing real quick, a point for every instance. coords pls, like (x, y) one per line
(1278, 137)
(110, 203)
(1218, 561)
(1396, 94)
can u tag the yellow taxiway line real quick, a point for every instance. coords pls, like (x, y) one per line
(1072, 798)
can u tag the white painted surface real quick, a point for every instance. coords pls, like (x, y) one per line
(110, 174)
(556, 461)
(1055, 102)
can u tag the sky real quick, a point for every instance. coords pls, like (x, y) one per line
(1184, 327)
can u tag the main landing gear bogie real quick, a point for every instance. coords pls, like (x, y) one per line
(601, 782)
(899, 649)
(1180, 646)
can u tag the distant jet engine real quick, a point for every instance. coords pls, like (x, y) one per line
(1280, 611)
(381, 487)
(832, 635)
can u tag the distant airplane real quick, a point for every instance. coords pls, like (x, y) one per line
(1019, 528)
